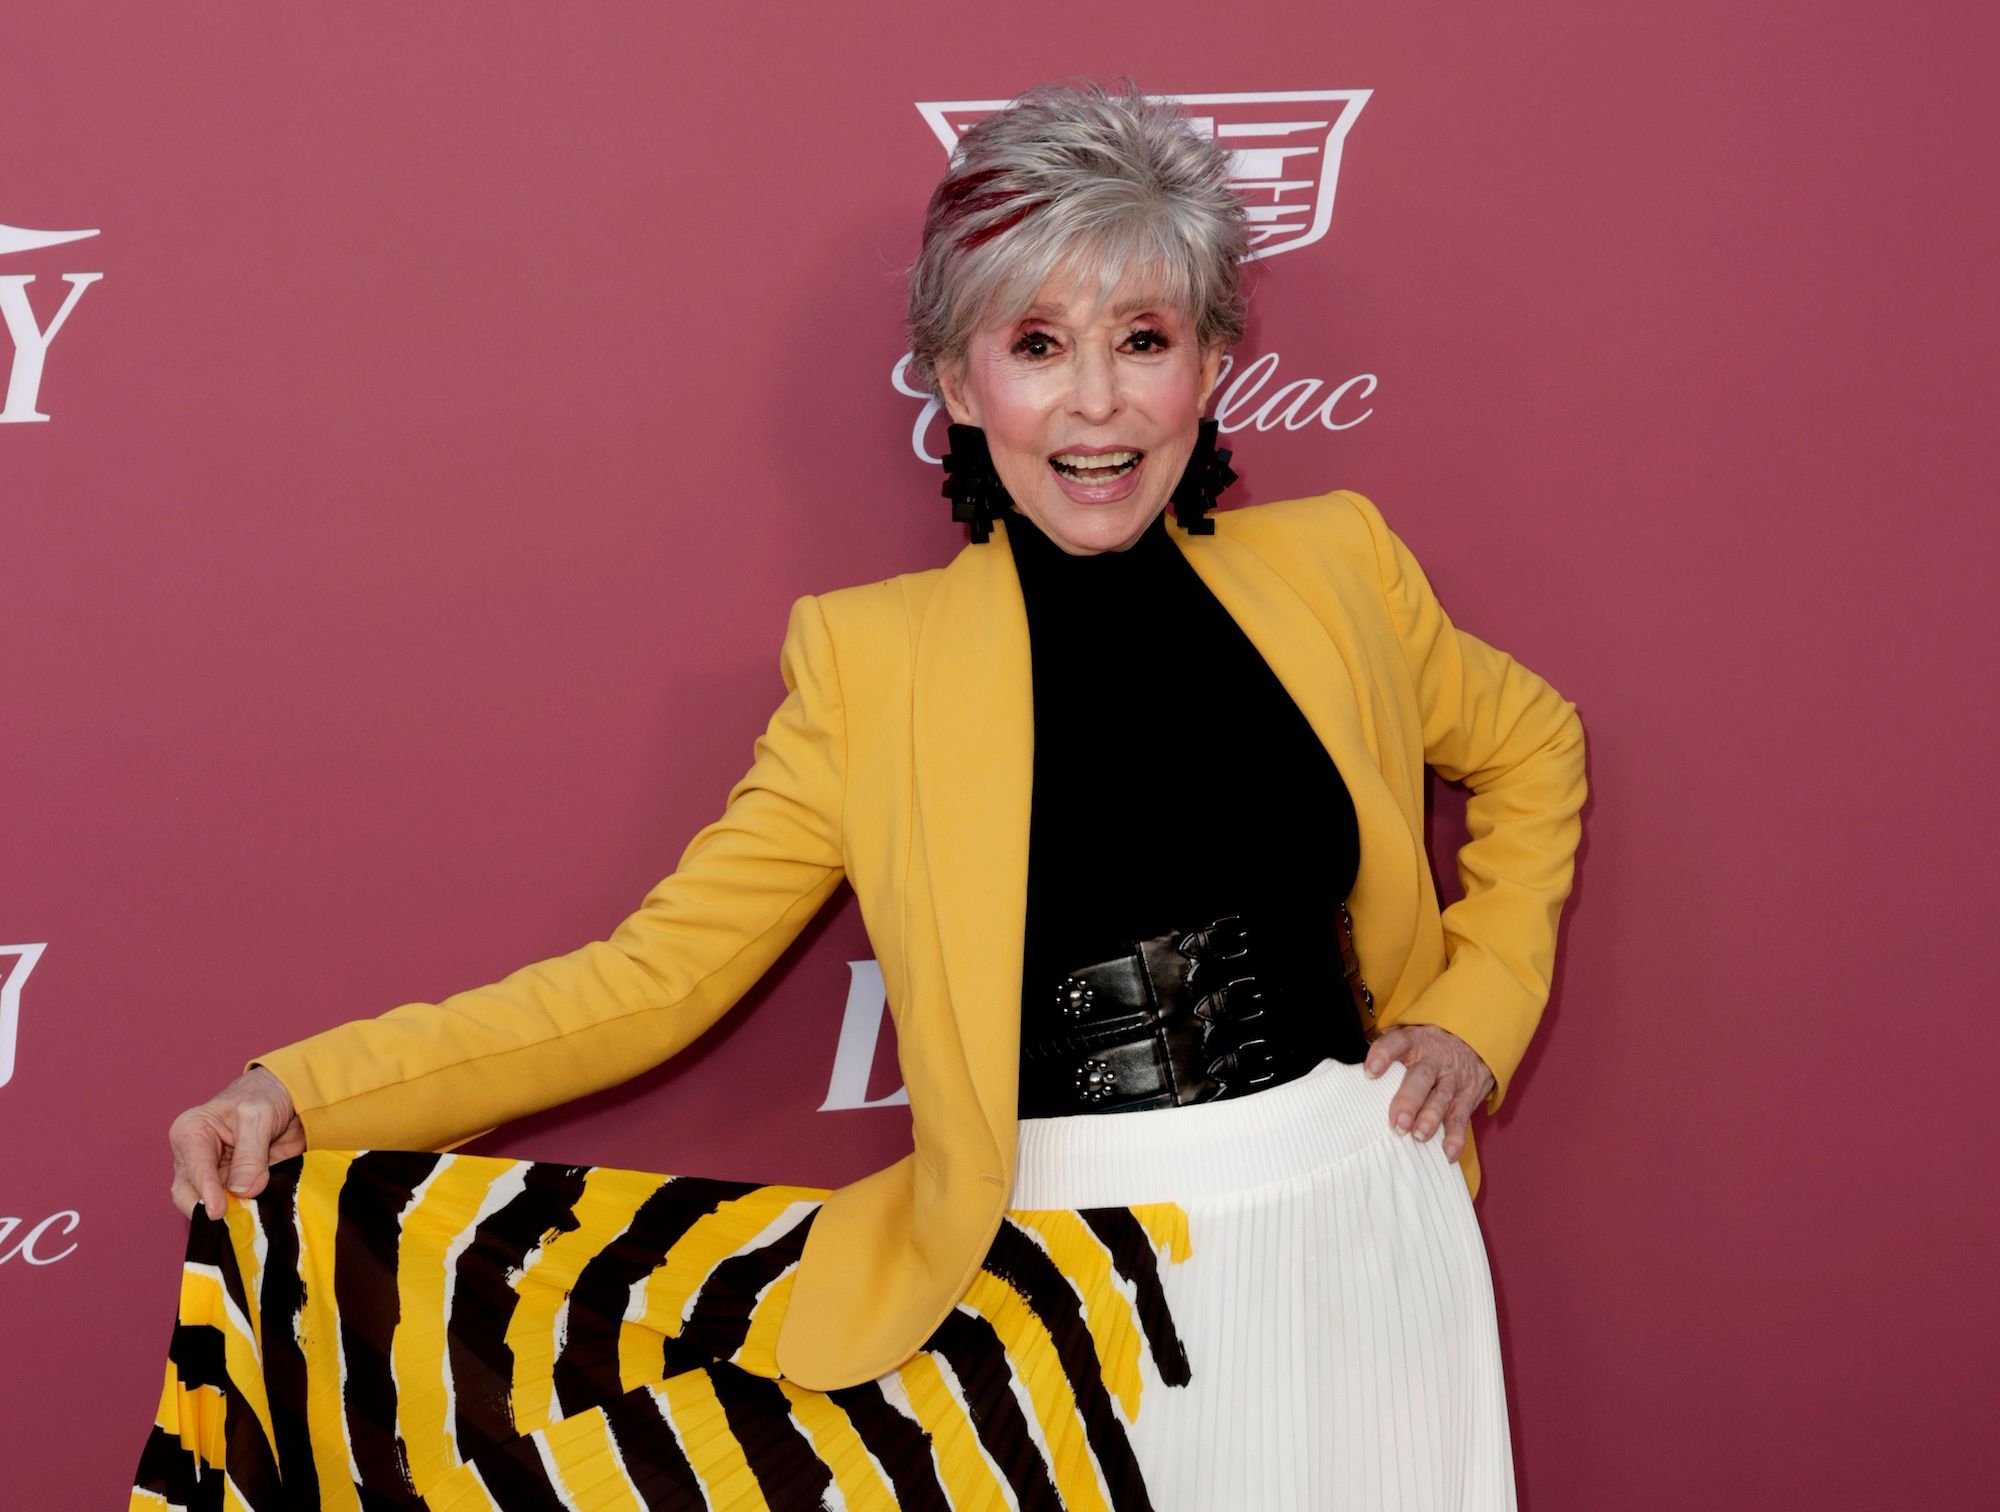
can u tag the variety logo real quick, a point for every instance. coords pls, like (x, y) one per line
(32, 339)
(860, 1032)
(1284, 156)
(23, 958)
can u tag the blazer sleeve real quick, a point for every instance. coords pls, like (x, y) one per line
(427, 1075)
(1517, 744)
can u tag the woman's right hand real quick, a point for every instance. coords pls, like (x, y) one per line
(232, 1139)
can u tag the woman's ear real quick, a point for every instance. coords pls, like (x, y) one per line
(1211, 373)
(951, 389)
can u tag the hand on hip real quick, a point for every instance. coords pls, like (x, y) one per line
(1443, 1081)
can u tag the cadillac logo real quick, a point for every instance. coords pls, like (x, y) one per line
(1284, 152)
(1284, 163)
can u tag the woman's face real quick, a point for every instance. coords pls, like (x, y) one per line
(1090, 413)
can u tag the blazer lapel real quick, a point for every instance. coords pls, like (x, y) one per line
(1311, 658)
(974, 763)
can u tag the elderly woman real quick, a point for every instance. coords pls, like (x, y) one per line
(1169, 1236)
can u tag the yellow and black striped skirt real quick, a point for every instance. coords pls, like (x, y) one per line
(393, 1329)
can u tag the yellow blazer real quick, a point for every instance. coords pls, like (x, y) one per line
(901, 760)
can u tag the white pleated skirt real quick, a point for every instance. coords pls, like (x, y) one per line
(1334, 1303)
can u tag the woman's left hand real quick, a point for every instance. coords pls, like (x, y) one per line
(1443, 1081)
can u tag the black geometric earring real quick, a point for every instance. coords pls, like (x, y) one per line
(1202, 482)
(977, 495)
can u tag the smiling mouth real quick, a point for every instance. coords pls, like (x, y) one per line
(1101, 468)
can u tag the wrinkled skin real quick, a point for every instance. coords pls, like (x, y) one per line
(1443, 1081)
(231, 1140)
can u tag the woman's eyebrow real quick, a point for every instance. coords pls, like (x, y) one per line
(1041, 310)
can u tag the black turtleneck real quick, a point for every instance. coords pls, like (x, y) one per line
(1175, 781)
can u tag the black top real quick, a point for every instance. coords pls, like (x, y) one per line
(1175, 781)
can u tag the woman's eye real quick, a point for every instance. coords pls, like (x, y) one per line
(1034, 344)
(1147, 341)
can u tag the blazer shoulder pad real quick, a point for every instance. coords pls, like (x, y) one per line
(1341, 521)
(880, 614)
(861, 603)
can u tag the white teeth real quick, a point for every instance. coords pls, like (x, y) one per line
(1093, 463)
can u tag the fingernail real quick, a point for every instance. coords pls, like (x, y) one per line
(207, 1211)
(1403, 1123)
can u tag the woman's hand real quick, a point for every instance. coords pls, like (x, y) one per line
(240, 1130)
(1443, 1081)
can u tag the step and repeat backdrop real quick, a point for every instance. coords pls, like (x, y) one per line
(417, 422)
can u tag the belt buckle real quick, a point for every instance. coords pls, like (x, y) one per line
(1223, 939)
(1270, 1071)
(1218, 946)
(1219, 1005)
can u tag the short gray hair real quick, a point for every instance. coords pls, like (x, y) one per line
(1074, 177)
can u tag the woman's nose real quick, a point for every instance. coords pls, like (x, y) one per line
(1095, 398)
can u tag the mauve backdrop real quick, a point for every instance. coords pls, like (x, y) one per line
(398, 583)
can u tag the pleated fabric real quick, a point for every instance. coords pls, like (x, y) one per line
(1337, 1312)
(1268, 1303)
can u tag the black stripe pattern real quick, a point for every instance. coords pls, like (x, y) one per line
(1133, 1258)
(483, 1301)
(680, 1411)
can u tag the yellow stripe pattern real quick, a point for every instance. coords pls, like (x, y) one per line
(447, 1222)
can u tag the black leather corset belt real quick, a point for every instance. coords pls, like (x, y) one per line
(1182, 1018)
